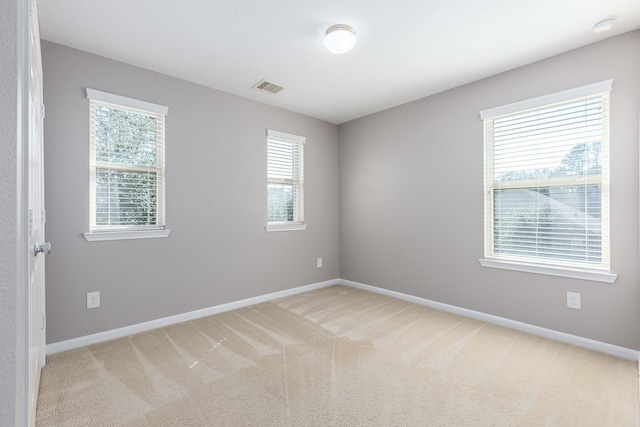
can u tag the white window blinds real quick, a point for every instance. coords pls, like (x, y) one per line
(127, 182)
(547, 179)
(285, 178)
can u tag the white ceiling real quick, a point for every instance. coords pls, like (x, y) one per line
(406, 50)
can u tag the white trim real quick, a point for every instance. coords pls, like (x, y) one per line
(23, 410)
(98, 236)
(593, 275)
(286, 136)
(178, 318)
(285, 227)
(614, 350)
(564, 95)
(124, 101)
(590, 344)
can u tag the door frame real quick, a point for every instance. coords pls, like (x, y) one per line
(22, 350)
(25, 412)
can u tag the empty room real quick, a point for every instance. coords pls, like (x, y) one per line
(294, 213)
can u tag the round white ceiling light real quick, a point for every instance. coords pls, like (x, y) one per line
(340, 38)
(603, 25)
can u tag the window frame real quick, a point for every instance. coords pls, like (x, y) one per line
(556, 267)
(100, 233)
(297, 224)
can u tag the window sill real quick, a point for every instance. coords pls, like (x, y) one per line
(97, 236)
(285, 227)
(593, 275)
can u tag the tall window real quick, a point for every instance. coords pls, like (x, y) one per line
(547, 180)
(127, 163)
(285, 181)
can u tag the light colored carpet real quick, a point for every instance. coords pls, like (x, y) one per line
(336, 357)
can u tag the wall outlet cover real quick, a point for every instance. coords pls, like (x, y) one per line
(573, 300)
(93, 299)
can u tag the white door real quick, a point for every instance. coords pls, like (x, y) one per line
(35, 188)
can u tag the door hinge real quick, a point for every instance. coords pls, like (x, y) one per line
(44, 322)
(43, 111)
(44, 216)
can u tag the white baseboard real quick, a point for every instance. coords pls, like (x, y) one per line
(611, 349)
(171, 320)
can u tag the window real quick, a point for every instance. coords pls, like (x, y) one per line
(547, 184)
(285, 181)
(126, 168)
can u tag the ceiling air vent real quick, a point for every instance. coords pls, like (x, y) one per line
(268, 86)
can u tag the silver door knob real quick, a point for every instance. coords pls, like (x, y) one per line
(44, 248)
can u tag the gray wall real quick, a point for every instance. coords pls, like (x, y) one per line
(411, 199)
(8, 211)
(218, 250)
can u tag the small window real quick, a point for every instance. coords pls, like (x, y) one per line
(285, 181)
(127, 167)
(547, 181)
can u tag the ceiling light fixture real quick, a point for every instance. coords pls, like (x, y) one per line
(340, 38)
(603, 25)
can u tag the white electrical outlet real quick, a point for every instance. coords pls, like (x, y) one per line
(93, 299)
(319, 262)
(573, 300)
